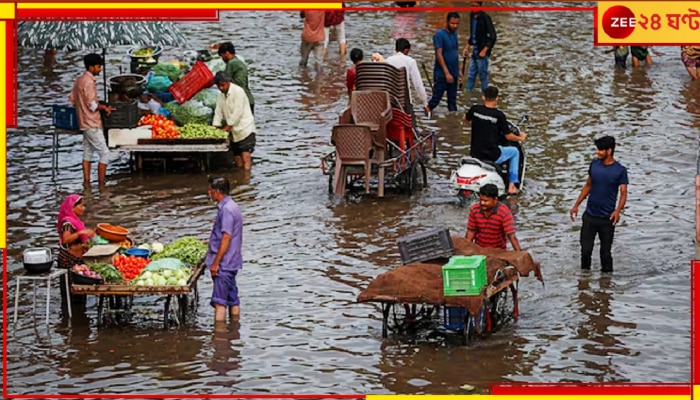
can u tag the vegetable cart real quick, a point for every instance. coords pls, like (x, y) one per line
(118, 298)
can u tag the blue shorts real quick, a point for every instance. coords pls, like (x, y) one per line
(225, 289)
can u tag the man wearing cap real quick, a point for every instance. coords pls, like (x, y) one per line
(84, 97)
(233, 107)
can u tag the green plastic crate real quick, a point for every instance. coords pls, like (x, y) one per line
(464, 275)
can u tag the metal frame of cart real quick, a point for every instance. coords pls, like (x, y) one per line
(165, 151)
(399, 316)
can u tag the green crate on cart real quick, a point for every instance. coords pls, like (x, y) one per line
(464, 275)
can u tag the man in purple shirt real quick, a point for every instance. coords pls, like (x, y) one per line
(224, 255)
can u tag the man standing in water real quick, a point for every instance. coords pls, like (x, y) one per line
(490, 221)
(482, 38)
(237, 70)
(232, 106)
(224, 258)
(446, 71)
(313, 36)
(605, 177)
(84, 98)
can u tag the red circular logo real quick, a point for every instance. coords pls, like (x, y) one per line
(619, 22)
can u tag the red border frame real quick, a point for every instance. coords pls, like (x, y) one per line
(213, 15)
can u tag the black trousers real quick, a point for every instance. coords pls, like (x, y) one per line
(604, 228)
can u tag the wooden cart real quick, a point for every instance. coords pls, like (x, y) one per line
(118, 298)
(412, 295)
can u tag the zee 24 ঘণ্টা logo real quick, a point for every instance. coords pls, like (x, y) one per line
(619, 22)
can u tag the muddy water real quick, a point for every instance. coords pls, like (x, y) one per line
(307, 256)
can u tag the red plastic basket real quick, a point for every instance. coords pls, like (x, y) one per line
(198, 78)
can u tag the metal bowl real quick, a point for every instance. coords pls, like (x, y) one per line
(155, 53)
(37, 260)
(131, 85)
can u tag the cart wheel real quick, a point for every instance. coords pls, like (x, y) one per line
(469, 330)
(501, 308)
(386, 307)
(418, 178)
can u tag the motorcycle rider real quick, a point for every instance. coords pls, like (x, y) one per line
(490, 134)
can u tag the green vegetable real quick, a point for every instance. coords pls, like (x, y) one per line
(144, 51)
(189, 250)
(169, 70)
(201, 131)
(108, 271)
(208, 97)
(193, 111)
(163, 278)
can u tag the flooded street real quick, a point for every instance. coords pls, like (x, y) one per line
(308, 255)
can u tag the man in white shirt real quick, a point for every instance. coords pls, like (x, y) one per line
(233, 107)
(401, 59)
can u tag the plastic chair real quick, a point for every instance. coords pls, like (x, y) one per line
(372, 108)
(385, 77)
(353, 146)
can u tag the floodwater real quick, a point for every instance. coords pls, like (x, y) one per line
(307, 255)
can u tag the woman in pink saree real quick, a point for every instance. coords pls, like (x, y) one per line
(73, 236)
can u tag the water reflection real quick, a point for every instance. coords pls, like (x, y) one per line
(226, 357)
(597, 330)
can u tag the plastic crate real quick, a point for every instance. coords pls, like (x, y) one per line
(426, 245)
(464, 276)
(454, 318)
(198, 78)
(126, 116)
(65, 117)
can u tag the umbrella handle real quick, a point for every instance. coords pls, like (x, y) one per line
(104, 73)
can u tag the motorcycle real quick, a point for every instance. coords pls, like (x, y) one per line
(472, 173)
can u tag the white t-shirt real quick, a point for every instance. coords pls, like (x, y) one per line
(152, 106)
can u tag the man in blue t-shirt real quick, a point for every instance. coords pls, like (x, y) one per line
(605, 177)
(446, 71)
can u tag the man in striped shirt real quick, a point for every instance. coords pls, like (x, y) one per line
(490, 221)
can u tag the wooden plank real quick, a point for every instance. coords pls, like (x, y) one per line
(128, 290)
(171, 142)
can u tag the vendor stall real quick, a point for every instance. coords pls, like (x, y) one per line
(187, 296)
(411, 295)
(116, 271)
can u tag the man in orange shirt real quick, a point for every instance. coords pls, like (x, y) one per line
(84, 98)
(313, 36)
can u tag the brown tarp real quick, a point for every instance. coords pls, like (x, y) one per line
(421, 283)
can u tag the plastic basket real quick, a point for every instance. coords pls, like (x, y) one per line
(464, 276)
(426, 245)
(65, 117)
(454, 318)
(126, 116)
(198, 78)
